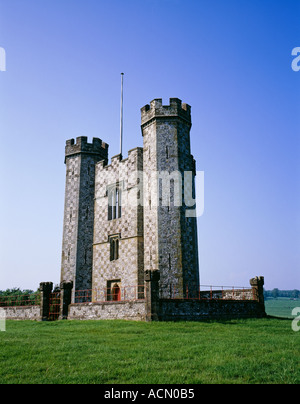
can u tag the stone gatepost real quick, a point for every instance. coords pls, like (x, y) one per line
(152, 295)
(257, 285)
(65, 299)
(45, 290)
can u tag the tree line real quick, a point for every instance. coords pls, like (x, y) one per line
(18, 297)
(16, 292)
(275, 293)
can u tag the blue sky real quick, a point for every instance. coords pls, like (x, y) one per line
(230, 60)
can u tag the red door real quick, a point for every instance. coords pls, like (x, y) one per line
(116, 293)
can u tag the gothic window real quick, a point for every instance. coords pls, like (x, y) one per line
(114, 247)
(114, 202)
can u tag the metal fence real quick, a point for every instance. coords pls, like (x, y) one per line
(189, 292)
(132, 293)
(20, 300)
(54, 306)
(207, 292)
(123, 293)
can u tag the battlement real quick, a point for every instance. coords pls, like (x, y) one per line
(82, 146)
(118, 161)
(158, 111)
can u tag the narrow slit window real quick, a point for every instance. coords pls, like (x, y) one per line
(114, 202)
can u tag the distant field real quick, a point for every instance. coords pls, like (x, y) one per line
(101, 352)
(281, 307)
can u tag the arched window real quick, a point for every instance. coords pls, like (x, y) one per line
(114, 247)
(114, 202)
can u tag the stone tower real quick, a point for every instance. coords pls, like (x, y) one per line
(170, 231)
(77, 259)
(130, 245)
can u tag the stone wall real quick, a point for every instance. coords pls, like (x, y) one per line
(195, 310)
(234, 303)
(134, 310)
(169, 310)
(22, 312)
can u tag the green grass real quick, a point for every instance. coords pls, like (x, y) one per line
(281, 307)
(239, 351)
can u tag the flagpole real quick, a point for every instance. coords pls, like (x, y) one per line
(121, 116)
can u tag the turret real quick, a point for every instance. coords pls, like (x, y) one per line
(80, 159)
(170, 236)
(97, 147)
(157, 110)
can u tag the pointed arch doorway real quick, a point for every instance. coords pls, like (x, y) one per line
(116, 293)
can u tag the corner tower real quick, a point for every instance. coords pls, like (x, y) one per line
(170, 231)
(77, 247)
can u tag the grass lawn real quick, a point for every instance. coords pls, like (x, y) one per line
(239, 351)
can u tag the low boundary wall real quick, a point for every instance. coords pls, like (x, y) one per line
(224, 304)
(194, 310)
(169, 310)
(22, 312)
(128, 310)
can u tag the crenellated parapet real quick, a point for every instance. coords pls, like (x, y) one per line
(97, 147)
(156, 110)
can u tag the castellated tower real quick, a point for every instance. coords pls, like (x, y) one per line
(130, 247)
(80, 159)
(170, 230)
(133, 215)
